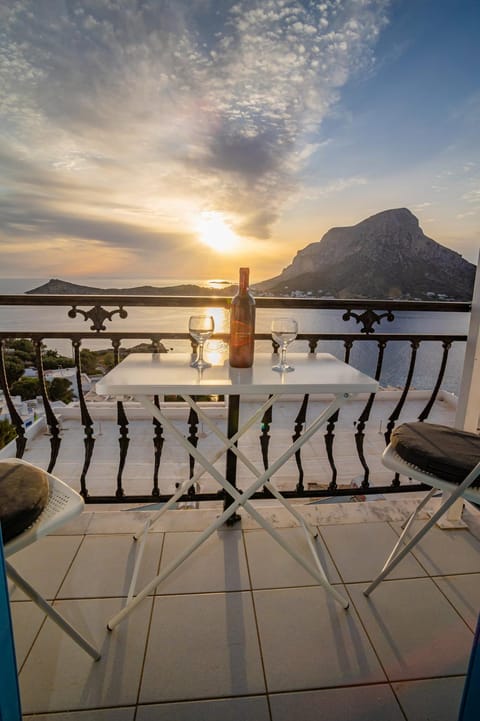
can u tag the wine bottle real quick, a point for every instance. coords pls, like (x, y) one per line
(242, 324)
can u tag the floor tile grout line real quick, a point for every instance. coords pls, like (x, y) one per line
(82, 542)
(257, 628)
(432, 578)
(332, 557)
(418, 557)
(52, 601)
(150, 621)
(370, 641)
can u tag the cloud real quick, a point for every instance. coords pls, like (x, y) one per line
(335, 186)
(422, 206)
(160, 110)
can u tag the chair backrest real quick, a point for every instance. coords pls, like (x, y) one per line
(392, 460)
(64, 503)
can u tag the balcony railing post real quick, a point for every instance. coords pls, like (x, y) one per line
(468, 408)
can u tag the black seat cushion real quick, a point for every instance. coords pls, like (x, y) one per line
(23, 496)
(445, 452)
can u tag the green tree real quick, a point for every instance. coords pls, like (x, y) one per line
(60, 389)
(52, 359)
(27, 388)
(14, 368)
(106, 360)
(89, 361)
(24, 349)
(7, 433)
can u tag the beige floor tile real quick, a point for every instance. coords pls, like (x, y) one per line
(212, 648)
(253, 708)
(59, 676)
(463, 592)
(272, 567)
(44, 564)
(414, 629)
(445, 552)
(218, 565)
(27, 619)
(104, 566)
(358, 703)
(108, 714)
(309, 641)
(360, 550)
(435, 699)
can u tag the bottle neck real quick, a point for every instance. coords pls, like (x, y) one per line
(244, 277)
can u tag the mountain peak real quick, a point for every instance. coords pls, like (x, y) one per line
(386, 255)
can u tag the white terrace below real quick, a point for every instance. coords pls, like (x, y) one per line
(174, 466)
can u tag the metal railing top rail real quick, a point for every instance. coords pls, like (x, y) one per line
(224, 302)
(183, 335)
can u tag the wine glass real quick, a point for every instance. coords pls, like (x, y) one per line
(201, 328)
(284, 331)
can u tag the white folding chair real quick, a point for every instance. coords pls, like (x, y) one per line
(453, 454)
(63, 504)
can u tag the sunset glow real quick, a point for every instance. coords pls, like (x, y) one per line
(215, 232)
(180, 138)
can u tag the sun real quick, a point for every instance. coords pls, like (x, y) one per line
(214, 231)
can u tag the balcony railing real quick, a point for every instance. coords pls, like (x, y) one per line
(359, 325)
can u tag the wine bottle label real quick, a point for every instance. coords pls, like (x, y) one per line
(241, 333)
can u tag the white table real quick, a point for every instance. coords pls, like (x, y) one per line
(145, 375)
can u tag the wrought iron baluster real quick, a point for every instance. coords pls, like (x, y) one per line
(265, 441)
(15, 418)
(233, 419)
(330, 435)
(362, 421)
(446, 344)
(124, 442)
(52, 421)
(348, 343)
(193, 439)
(122, 422)
(158, 445)
(89, 440)
(329, 438)
(265, 436)
(298, 428)
(398, 408)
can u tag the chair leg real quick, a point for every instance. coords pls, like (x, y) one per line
(394, 560)
(50, 611)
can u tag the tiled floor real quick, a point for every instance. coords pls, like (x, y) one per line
(240, 632)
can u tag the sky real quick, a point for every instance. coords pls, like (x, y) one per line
(186, 138)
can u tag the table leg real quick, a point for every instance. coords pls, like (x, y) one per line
(231, 460)
(241, 499)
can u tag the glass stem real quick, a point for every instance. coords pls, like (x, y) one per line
(283, 357)
(200, 351)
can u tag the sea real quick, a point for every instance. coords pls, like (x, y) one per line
(154, 320)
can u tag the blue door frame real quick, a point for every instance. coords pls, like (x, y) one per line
(470, 706)
(10, 709)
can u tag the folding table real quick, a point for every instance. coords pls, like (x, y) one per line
(145, 375)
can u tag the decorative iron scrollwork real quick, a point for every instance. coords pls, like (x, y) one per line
(368, 318)
(98, 315)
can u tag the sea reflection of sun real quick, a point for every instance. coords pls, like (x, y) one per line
(220, 318)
